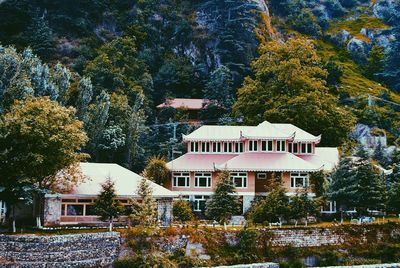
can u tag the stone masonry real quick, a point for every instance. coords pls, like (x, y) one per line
(61, 251)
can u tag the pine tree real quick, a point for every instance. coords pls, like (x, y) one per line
(392, 62)
(41, 38)
(182, 211)
(274, 208)
(355, 184)
(393, 205)
(375, 61)
(145, 212)
(61, 79)
(106, 205)
(224, 202)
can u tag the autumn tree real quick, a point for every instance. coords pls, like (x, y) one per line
(289, 86)
(106, 206)
(156, 169)
(38, 138)
(224, 203)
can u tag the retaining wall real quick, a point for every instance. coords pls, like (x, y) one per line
(76, 250)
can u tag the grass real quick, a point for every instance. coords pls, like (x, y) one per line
(354, 26)
(353, 81)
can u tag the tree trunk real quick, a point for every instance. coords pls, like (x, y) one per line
(14, 228)
(110, 227)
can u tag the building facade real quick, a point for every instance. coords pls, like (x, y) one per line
(77, 206)
(253, 155)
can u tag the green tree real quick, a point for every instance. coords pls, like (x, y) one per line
(41, 38)
(393, 205)
(85, 95)
(375, 61)
(38, 138)
(392, 62)
(355, 184)
(220, 88)
(224, 202)
(302, 206)
(156, 169)
(182, 211)
(318, 183)
(106, 205)
(145, 212)
(274, 208)
(289, 86)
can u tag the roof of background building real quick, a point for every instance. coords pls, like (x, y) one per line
(265, 130)
(190, 104)
(126, 181)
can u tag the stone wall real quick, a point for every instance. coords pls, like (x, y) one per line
(311, 237)
(77, 250)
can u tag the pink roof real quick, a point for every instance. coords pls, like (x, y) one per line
(198, 162)
(278, 162)
(190, 104)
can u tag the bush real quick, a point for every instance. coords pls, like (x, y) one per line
(150, 260)
(182, 211)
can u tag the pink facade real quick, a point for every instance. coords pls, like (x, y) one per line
(252, 155)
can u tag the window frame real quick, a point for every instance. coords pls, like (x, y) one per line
(205, 147)
(239, 175)
(203, 175)
(281, 144)
(294, 176)
(175, 179)
(253, 145)
(260, 177)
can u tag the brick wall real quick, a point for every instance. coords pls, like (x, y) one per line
(77, 250)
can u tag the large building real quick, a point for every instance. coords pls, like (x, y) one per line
(252, 155)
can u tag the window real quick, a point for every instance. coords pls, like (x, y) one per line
(90, 211)
(261, 176)
(227, 147)
(253, 146)
(306, 148)
(205, 147)
(298, 180)
(74, 210)
(181, 179)
(281, 146)
(194, 146)
(202, 180)
(239, 179)
(239, 147)
(199, 202)
(295, 146)
(290, 147)
(267, 146)
(216, 147)
(309, 148)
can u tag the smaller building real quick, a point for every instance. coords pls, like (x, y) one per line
(76, 207)
(193, 107)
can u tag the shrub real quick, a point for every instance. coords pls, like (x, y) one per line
(150, 260)
(182, 211)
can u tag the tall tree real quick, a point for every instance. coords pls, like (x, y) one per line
(85, 94)
(41, 38)
(289, 86)
(392, 62)
(375, 61)
(224, 202)
(355, 184)
(106, 205)
(145, 212)
(302, 206)
(37, 139)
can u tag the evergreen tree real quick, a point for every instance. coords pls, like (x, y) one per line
(41, 37)
(392, 62)
(224, 202)
(302, 206)
(182, 211)
(220, 88)
(375, 61)
(355, 184)
(61, 78)
(85, 94)
(106, 205)
(393, 205)
(156, 169)
(274, 208)
(111, 141)
(145, 212)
